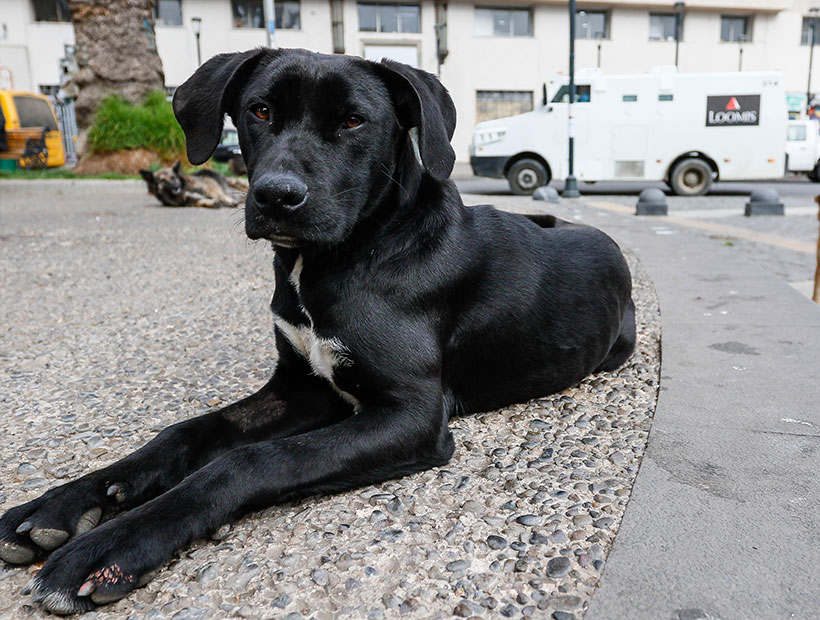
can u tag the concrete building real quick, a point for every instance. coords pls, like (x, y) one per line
(500, 51)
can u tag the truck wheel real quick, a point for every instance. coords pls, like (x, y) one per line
(691, 177)
(527, 175)
(814, 175)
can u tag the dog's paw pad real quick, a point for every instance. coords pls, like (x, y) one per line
(107, 585)
(48, 538)
(15, 554)
(88, 520)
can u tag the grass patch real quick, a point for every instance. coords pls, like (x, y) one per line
(120, 125)
(60, 173)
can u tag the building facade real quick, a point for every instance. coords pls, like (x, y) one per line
(498, 52)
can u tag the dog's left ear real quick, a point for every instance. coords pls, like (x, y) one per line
(176, 166)
(423, 103)
(203, 99)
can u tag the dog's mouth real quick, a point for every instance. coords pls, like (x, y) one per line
(285, 241)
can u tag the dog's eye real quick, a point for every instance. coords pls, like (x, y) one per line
(353, 121)
(261, 111)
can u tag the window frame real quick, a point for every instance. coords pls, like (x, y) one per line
(61, 6)
(523, 99)
(607, 24)
(281, 4)
(527, 10)
(396, 5)
(804, 30)
(798, 129)
(563, 90)
(674, 23)
(748, 29)
(162, 24)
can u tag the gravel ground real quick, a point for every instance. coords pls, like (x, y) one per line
(122, 317)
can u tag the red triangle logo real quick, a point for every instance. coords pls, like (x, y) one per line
(733, 104)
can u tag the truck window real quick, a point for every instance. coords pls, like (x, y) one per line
(796, 133)
(230, 138)
(34, 112)
(582, 94)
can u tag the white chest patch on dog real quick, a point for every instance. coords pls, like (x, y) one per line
(323, 354)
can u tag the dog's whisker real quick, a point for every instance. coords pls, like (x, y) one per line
(386, 172)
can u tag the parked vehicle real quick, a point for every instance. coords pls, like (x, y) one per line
(687, 129)
(31, 129)
(228, 147)
(803, 148)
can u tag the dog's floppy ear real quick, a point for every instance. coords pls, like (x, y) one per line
(203, 99)
(147, 175)
(423, 103)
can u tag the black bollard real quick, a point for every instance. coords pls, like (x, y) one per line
(764, 202)
(651, 201)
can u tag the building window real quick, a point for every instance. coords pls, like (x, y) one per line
(491, 22)
(666, 97)
(250, 14)
(661, 27)
(492, 104)
(592, 25)
(51, 11)
(168, 12)
(735, 29)
(806, 31)
(389, 17)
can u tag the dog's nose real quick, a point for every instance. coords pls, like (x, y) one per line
(279, 194)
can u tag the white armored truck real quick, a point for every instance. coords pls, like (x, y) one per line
(687, 129)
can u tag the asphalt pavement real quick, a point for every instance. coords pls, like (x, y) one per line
(797, 187)
(785, 246)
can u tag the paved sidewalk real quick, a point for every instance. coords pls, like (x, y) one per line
(723, 520)
(783, 245)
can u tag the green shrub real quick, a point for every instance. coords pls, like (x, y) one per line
(120, 125)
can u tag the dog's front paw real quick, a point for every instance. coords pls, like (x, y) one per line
(98, 568)
(29, 531)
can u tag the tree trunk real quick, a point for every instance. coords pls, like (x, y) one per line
(116, 52)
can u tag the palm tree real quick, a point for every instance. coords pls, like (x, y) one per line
(116, 52)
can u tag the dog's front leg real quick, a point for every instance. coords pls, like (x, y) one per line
(377, 444)
(292, 402)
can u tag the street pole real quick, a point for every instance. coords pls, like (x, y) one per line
(571, 185)
(599, 35)
(270, 21)
(196, 25)
(740, 41)
(679, 6)
(812, 30)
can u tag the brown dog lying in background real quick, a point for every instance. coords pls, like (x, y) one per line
(203, 188)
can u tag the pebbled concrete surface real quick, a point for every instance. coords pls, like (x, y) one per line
(722, 523)
(122, 317)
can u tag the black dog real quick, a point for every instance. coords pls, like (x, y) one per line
(396, 308)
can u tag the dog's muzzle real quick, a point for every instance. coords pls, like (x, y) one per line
(278, 196)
